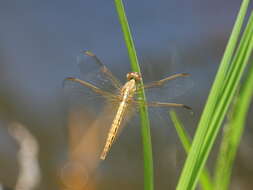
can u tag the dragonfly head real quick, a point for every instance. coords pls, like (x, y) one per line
(133, 75)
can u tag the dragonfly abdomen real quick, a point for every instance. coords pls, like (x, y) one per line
(128, 92)
(114, 128)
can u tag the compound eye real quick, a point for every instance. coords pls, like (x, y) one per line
(134, 76)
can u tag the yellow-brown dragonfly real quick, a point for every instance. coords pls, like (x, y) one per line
(123, 96)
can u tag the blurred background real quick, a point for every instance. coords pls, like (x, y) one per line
(39, 43)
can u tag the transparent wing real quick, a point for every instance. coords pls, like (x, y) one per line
(93, 87)
(160, 93)
(83, 95)
(94, 71)
(168, 88)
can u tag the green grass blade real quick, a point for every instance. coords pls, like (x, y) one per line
(145, 126)
(205, 180)
(245, 50)
(226, 98)
(207, 127)
(223, 69)
(233, 132)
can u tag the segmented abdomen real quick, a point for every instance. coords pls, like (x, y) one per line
(114, 128)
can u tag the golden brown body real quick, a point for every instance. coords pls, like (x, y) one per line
(127, 93)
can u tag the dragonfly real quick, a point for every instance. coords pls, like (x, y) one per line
(124, 96)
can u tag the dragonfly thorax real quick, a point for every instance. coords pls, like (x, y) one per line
(133, 75)
(128, 90)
